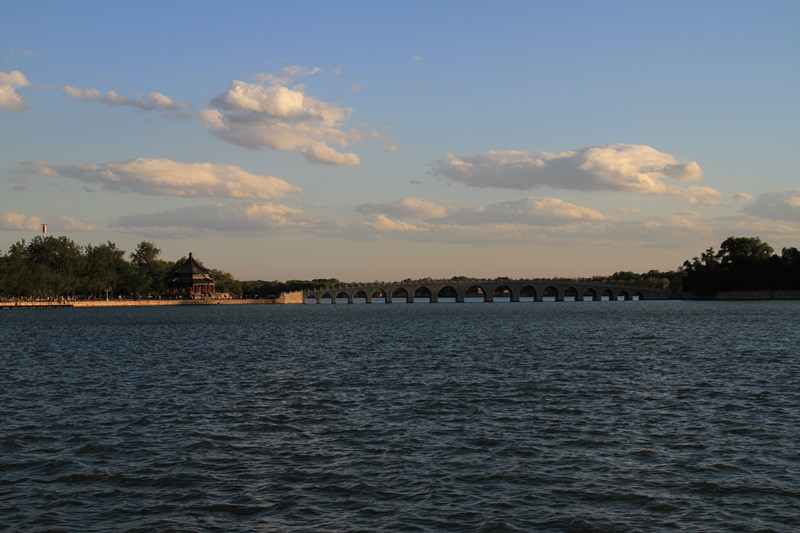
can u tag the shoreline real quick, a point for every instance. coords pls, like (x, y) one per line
(284, 299)
(135, 303)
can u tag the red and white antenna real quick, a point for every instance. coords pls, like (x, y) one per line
(44, 229)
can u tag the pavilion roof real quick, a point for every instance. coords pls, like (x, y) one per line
(191, 266)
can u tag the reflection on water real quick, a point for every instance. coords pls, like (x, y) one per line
(579, 416)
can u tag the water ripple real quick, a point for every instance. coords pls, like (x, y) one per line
(593, 416)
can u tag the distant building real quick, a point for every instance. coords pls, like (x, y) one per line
(191, 279)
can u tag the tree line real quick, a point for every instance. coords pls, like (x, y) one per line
(742, 264)
(55, 267)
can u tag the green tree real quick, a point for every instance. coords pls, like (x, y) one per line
(106, 269)
(743, 250)
(55, 266)
(702, 274)
(225, 282)
(14, 273)
(148, 272)
(744, 263)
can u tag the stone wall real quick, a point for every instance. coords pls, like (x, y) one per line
(295, 297)
(744, 295)
(154, 303)
(758, 295)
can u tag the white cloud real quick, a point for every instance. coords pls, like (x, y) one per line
(390, 148)
(619, 167)
(532, 211)
(10, 99)
(694, 194)
(297, 70)
(233, 217)
(407, 207)
(777, 205)
(542, 220)
(383, 223)
(154, 100)
(171, 178)
(273, 79)
(744, 197)
(19, 221)
(282, 118)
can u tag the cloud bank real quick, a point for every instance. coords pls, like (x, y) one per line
(777, 205)
(10, 99)
(171, 178)
(532, 211)
(618, 167)
(231, 217)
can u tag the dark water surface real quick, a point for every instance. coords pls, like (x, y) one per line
(573, 416)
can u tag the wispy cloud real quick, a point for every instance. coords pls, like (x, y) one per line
(20, 221)
(618, 167)
(405, 208)
(532, 211)
(154, 100)
(665, 231)
(297, 70)
(10, 99)
(15, 52)
(231, 217)
(170, 178)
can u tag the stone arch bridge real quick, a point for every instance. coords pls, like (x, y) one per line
(486, 290)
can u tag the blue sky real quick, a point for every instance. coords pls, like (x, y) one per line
(385, 140)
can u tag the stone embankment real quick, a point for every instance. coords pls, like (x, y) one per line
(745, 295)
(285, 298)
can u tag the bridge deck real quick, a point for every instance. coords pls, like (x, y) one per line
(489, 290)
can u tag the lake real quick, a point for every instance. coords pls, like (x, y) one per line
(490, 417)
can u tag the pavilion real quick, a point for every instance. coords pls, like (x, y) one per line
(191, 279)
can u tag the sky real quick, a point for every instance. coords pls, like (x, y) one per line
(389, 140)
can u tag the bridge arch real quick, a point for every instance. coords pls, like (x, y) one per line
(377, 293)
(504, 293)
(402, 292)
(476, 291)
(448, 292)
(423, 291)
(551, 291)
(343, 295)
(529, 291)
(573, 293)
